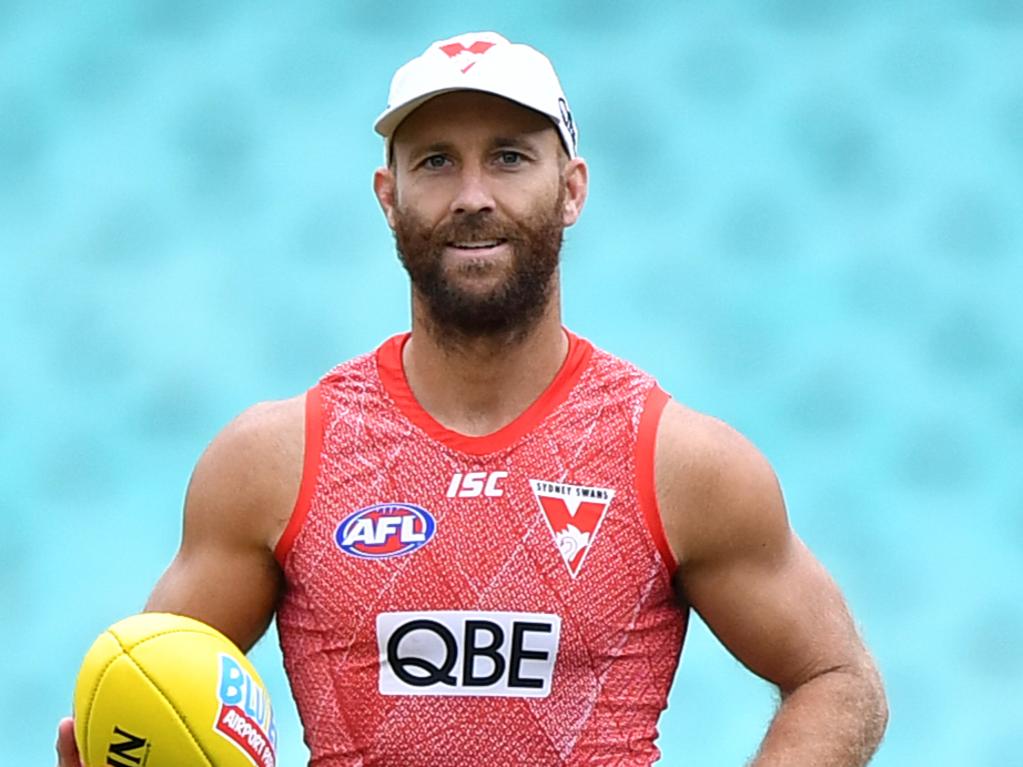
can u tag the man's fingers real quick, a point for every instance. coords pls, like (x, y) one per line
(67, 749)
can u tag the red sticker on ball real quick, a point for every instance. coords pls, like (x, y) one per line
(246, 717)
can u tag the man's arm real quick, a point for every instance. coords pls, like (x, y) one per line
(765, 596)
(238, 502)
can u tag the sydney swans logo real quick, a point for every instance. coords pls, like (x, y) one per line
(573, 514)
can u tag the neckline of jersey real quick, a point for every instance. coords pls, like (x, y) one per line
(392, 376)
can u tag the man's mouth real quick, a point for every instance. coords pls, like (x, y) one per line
(476, 244)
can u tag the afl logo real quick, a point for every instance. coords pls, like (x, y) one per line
(385, 530)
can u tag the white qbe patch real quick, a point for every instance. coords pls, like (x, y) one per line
(467, 653)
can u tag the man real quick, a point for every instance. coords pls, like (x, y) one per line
(499, 529)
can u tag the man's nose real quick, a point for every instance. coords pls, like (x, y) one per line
(473, 195)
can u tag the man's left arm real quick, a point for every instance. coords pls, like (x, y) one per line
(765, 596)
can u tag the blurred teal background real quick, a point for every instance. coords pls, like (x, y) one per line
(806, 218)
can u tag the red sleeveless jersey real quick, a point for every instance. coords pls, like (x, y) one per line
(498, 600)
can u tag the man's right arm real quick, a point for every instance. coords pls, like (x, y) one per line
(238, 503)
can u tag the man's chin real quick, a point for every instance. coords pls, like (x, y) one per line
(476, 313)
(477, 281)
(468, 268)
(479, 301)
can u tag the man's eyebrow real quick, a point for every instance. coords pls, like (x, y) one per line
(521, 141)
(515, 142)
(437, 147)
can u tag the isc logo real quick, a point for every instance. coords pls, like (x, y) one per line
(385, 530)
(477, 483)
(465, 653)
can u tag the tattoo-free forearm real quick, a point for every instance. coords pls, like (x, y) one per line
(836, 719)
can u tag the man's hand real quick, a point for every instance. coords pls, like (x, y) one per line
(67, 749)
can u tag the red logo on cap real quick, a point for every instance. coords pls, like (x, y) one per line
(453, 50)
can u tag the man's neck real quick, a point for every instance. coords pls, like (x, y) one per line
(476, 386)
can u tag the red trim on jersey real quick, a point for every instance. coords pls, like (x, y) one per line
(646, 485)
(392, 374)
(310, 471)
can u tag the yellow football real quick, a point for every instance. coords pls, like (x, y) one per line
(160, 690)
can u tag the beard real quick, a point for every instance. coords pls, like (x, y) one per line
(516, 291)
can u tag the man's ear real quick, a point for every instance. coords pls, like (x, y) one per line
(576, 178)
(386, 190)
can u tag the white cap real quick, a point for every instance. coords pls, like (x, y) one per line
(479, 61)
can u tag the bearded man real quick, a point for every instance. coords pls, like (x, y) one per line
(482, 540)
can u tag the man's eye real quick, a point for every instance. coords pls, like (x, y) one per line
(510, 157)
(435, 161)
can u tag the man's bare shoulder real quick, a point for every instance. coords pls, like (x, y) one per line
(266, 426)
(715, 488)
(251, 470)
(709, 446)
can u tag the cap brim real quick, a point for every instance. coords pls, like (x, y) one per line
(390, 119)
